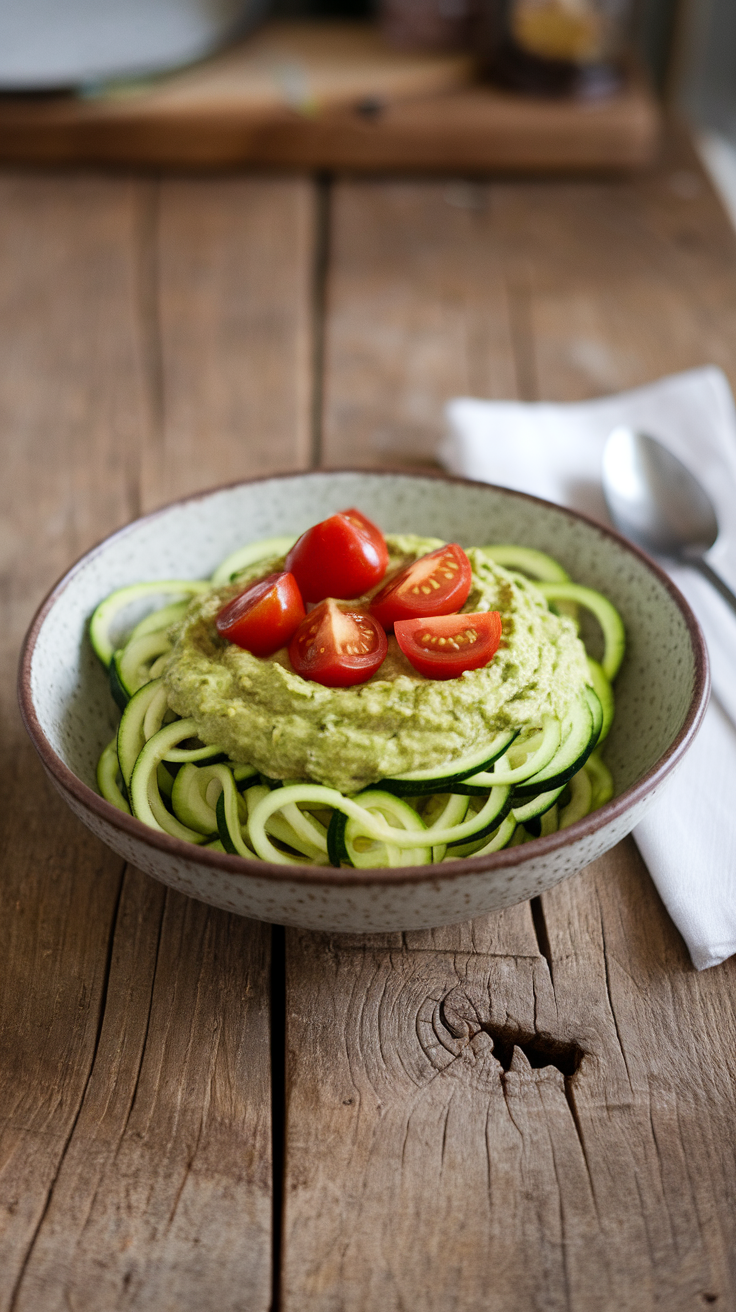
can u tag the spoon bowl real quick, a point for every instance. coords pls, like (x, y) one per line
(655, 500)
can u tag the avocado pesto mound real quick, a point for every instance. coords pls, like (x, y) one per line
(262, 713)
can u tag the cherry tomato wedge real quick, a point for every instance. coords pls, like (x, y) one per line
(338, 646)
(264, 617)
(343, 556)
(436, 584)
(444, 646)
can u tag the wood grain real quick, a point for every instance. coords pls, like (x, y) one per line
(231, 331)
(472, 1119)
(535, 1110)
(163, 1197)
(624, 283)
(537, 290)
(70, 385)
(420, 308)
(135, 1126)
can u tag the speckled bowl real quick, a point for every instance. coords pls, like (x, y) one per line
(661, 692)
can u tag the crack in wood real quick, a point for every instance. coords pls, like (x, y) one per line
(148, 241)
(321, 264)
(539, 922)
(147, 1028)
(395, 953)
(569, 1091)
(520, 312)
(278, 1102)
(540, 1049)
(13, 1300)
(609, 996)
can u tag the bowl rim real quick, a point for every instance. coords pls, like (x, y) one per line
(447, 871)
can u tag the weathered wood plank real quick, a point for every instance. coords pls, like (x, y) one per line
(135, 1157)
(163, 1199)
(625, 283)
(535, 1110)
(233, 262)
(418, 311)
(402, 1158)
(465, 1118)
(528, 289)
(617, 296)
(656, 1113)
(70, 384)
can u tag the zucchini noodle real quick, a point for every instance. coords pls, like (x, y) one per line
(520, 785)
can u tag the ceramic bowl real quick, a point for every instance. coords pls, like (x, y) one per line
(661, 692)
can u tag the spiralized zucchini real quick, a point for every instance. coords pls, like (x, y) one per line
(518, 787)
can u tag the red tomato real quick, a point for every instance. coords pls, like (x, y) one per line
(343, 556)
(436, 584)
(338, 646)
(264, 617)
(445, 645)
(366, 525)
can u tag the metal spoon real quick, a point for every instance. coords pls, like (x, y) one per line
(655, 500)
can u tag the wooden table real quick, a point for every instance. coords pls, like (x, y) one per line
(156, 1149)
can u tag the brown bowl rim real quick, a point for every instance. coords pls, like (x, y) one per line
(505, 859)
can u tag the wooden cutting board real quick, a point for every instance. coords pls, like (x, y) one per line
(330, 96)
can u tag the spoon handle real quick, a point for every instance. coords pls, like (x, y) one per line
(716, 580)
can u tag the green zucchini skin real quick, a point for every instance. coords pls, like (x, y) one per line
(336, 847)
(537, 564)
(489, 826)
(111, 607)
(222, 827)
(188, 800)
(528, 810)
(120, 694)
(108, 768)
(573, 751)
(240, 560)
(397, 813)
(422, 783)
(596, 709)
(614, 634)
(130, 730)
(604, 692)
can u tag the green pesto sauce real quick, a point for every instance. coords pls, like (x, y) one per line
(262, 713)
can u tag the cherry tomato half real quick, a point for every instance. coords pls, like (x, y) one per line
(343, 556)
(443, 646)
(264, 617)
(436, 584)
(338, 646)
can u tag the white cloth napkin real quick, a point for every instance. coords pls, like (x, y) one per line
(688, 839)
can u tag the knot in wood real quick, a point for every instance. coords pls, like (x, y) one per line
(460, 1024)
(465, 1011)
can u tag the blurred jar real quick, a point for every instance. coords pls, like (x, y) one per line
(554, 47)
(428, 24)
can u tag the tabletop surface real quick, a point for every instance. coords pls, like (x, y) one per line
(201, 1112)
